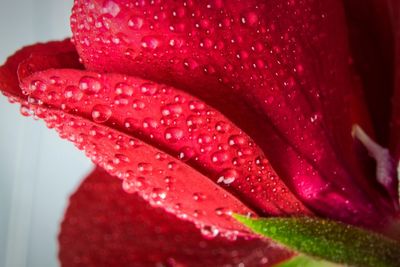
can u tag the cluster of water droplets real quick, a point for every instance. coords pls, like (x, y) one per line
(248, 52)
(169, 119)
(70, 97)
(186, 128)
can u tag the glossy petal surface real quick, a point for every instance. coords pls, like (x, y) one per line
(279, 70)
(42, 52)
(105, 227)
(166, 144)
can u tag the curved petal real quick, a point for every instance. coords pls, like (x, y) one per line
(394, 7)
(371, 40)
(178, 152)
(66, 56)
(279, 70)
(104, 227)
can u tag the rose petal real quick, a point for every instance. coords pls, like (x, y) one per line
(279, 70)
(394, 7)
(371, 40)
(9, 83)
(174, 122)
(166, 120)
(104, 227)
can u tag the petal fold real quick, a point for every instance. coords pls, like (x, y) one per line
(162, 142)
(104, 227)
(278, 70)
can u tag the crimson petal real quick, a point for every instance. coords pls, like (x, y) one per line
(394, 8)
(145, 120)
(104, 227)
(9, 82)
(279, 70)
(371, 40)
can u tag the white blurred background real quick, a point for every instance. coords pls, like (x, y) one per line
(38, 170)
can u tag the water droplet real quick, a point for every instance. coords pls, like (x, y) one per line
(90, 85)
(37, 85)
(144, 167)
(138, 105)
(204, 139)
(228, 176)
(219, 157)
(220, 211)
(72, 93)
(222, 127)
(121, 100)
(123, 89)
(158, 195)
(135, 23)
(148, 89)
(194, 121)
(186, 153)
(173, 134)
(101, 113)
(110, 7)
(236, 140)
(250, 18)
(25, 111)
(131, 123)
(315, 117)
(190, 64)
(121, 158)
(150, 42)
(150, 123)
(128, 186)
(141, 182)
(199, 196)
(171, 110)
(196, 106)
(209, 231)
(172, 165)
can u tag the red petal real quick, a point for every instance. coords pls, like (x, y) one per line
(166, 120)
(9, 82)
(173, 122)
(277, 69)
(394, 7)
(103, 227)
(371, 40)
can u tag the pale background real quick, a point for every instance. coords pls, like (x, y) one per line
(38, 170)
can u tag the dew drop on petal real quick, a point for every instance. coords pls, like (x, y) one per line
(73, 93)
(135, 23)
(128, 186)
(173, 134)
(150, 42)
(101, 113)
(228, 176)
(90, 85)
(219, 157)
(148, 89)
(209, 231)
(37, 85)
(186, 153)
(110, 7)
(145, 167)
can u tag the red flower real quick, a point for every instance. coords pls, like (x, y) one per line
(206, 108)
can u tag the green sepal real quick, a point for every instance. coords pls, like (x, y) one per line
(305, 261)
(328, 240)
